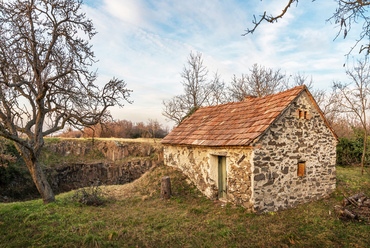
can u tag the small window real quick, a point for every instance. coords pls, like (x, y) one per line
(305, 115)
(301, 169)
(300, 114)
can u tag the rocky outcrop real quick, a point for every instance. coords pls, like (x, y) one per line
(114, 150)
(74, 176)
(123, 162)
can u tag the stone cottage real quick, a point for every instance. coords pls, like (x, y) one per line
(266, 154)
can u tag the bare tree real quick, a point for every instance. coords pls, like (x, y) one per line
(198, 90)
(329, 106)
(217, 91)
(195, 80)
(176, 108)
(44, 76)
(238, 89)
(353, 97)
(299, 79)
(261, 81)
(347, 13)
(152, 127)
(264, 81)
(319, 95)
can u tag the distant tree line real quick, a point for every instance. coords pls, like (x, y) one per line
(120, 129)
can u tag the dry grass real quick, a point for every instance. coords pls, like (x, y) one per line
(138, 140)
(136, 188)
(148, 185)
(139, 218)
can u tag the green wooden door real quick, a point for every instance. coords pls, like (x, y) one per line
(221, 176)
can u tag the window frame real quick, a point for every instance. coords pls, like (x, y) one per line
(301, 170)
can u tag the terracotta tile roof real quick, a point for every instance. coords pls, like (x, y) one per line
(234, 123)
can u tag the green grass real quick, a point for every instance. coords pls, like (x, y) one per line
(139, 218)
(350, 180)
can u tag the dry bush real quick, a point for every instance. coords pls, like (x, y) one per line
(71, 134)
(91, 196)
(126, 129)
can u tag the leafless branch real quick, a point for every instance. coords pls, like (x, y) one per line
(261, 81)
(45, 76)
(269, 18)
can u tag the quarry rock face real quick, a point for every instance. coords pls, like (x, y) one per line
(112, 150)
(118, 162)
(74, 176)
(127, 161)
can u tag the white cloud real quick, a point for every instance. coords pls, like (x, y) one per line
(146, 43)
(130, 11)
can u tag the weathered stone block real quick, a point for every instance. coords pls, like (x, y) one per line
(259, 177)
(285, 170)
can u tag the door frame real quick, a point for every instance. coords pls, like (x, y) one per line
(222, 177)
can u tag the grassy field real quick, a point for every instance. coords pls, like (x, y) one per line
(134, 216)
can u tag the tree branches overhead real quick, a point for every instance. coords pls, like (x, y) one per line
(44, 69)
(352, 12)
(268, 17)
(344, 16)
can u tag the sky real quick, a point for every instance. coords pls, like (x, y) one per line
(147, 42)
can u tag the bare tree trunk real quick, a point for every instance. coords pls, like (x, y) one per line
(363, 153)
(37, 173)
(40, 181)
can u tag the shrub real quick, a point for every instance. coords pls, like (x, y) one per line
(91, 196)
(349, 150)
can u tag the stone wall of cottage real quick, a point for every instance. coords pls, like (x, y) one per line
(276, 184)
(200, 164)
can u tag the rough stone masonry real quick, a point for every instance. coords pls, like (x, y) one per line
(264, 177)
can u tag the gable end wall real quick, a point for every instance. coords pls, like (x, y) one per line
(289, 140)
